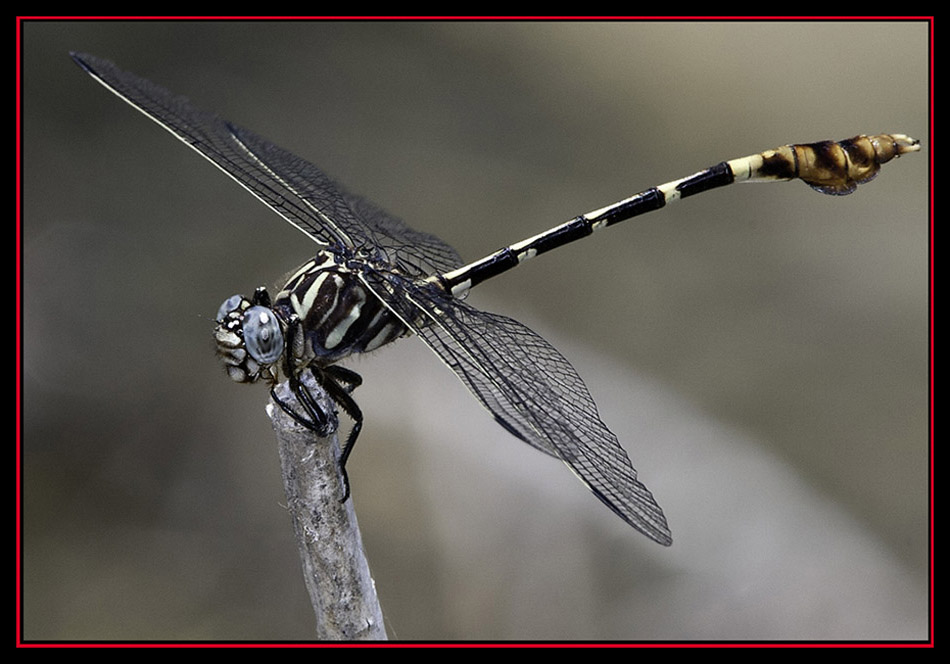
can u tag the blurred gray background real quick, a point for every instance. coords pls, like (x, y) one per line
(761, 350)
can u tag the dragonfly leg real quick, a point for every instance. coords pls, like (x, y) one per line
(339, 383)
(348, 379)
(261, 297)
(316, 420)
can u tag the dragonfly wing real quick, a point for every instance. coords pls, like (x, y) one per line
(294, 188)
(531, 390)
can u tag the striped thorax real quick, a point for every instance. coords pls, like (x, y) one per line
(337, 312)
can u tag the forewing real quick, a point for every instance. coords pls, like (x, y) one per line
(294, 188)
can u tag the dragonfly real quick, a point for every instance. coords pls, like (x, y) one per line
(373, 279)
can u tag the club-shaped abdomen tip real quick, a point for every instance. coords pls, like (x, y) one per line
(905, 143)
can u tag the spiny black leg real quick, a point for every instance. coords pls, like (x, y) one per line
(341, 395)
(347, 378)
(261, 297)
(337, 381)
(290, 337)
(320, 421)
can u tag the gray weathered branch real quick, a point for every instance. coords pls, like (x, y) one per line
(331, 550)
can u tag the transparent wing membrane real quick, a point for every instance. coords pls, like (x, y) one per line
(530, 389)
(294, 188)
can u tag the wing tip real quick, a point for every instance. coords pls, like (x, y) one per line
(652, 524)
(84, 60)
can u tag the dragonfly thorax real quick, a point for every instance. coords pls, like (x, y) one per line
(338, 314)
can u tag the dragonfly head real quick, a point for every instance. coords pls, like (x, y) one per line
(249, 339)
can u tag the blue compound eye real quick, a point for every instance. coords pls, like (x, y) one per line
(262, 336)
(228, 306)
